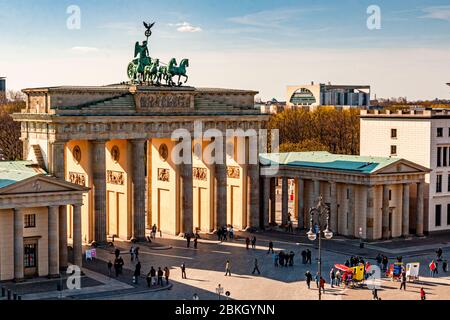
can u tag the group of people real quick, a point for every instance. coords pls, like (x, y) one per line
(284, 259)
(320, 281)
(306, 256)
(225, 232)
(155, 277)
(382, 262)
(252, 242)
(189, 237)
(118, 264)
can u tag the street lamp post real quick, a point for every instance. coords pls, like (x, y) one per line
(316, 229)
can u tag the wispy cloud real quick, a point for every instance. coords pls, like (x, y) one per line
(437, 12)
(271, 18)
(185, 27)
(84, 49)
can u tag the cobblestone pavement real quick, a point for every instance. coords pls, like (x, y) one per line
(206, 269)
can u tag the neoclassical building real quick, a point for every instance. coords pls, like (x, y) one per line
(118, 141)
(381, 197)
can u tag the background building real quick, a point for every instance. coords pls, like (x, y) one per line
(315, 95)
(2, 86)
(421, 136)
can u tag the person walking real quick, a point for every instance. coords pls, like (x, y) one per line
(276, 258)
(432, 267)
(444, 266)
(228, 268)
(136, 254)
(256, 268)
(154, 230)
(183, 271)
(423, 295)
(332, 277)
(132, 253)
(188, 240)
(270, 247)
(160, 277)
(166, 275)
(195, 242)
(247, 243)
(254, 243)
(322, 284)
(308, 256)
(308, 277)
(303, 257)
(152, 276)
(317, 279)
(439, 254)
(231, 232)
(338, 278)
(375, 294)
(137, 273)
(403, 284)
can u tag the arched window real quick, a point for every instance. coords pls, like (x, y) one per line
(303, 97)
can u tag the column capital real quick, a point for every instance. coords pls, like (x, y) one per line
(137, 141)
(104, 141)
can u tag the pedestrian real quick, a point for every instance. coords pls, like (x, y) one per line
(375, 294)
(332, 277)
(256, 268)
(308, 256)
(160, 277)
(308, 277)
(379, 259)
(228, 268)
(195, 242)
(136, 254)
(270, 247)
(423, 295)
(219, 234)
(322, 284)
(110, 265)
(444, 266)
(254, 243)
(183, 271)
(338, 278)
(149, 279)
(247, 242)
(117, 253)
(224, 233)
(188, 240)
(132, 253)
(432, 267)
(385, 263)
(403, 284)
(439, 254)
(276, 258)
(166, 275)
(137, 273)
(304, 257)
(231, 231)
(153, 276)
(317, 279)
(154, 230)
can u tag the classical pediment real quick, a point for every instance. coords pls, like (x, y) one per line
(41, 184)
(402, 166)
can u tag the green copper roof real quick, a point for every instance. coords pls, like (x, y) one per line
(14, 171)
(327, 161)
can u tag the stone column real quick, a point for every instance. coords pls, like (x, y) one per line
(77, 241)
(300, 187)
(351, 211)
(405, 210)
(419, 214)
(99, 173)
(220, 187)
(186, 196)
(63, 256)
(266, 201)
(370, 213)
(316, 191)
(253, 196)
(138, 185)
(273, 197)
(18, 244)
(284, 201)
(385, 210)
(53, 241)
(333, 207)
(148, 185)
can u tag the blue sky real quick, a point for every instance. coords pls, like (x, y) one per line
(255, 44)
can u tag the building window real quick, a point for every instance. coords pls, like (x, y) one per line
(30, 221)
(440, 132)
(444, 157)
(393, 150)
(30, 256)
(448, 214)
(438, 215)
(394, 133)
(439, 183)
(439, 149)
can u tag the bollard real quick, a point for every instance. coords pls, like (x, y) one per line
(9, 294)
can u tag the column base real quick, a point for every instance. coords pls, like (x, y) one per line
(19, 280)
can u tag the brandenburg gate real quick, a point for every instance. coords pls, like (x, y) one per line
(118, 141)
